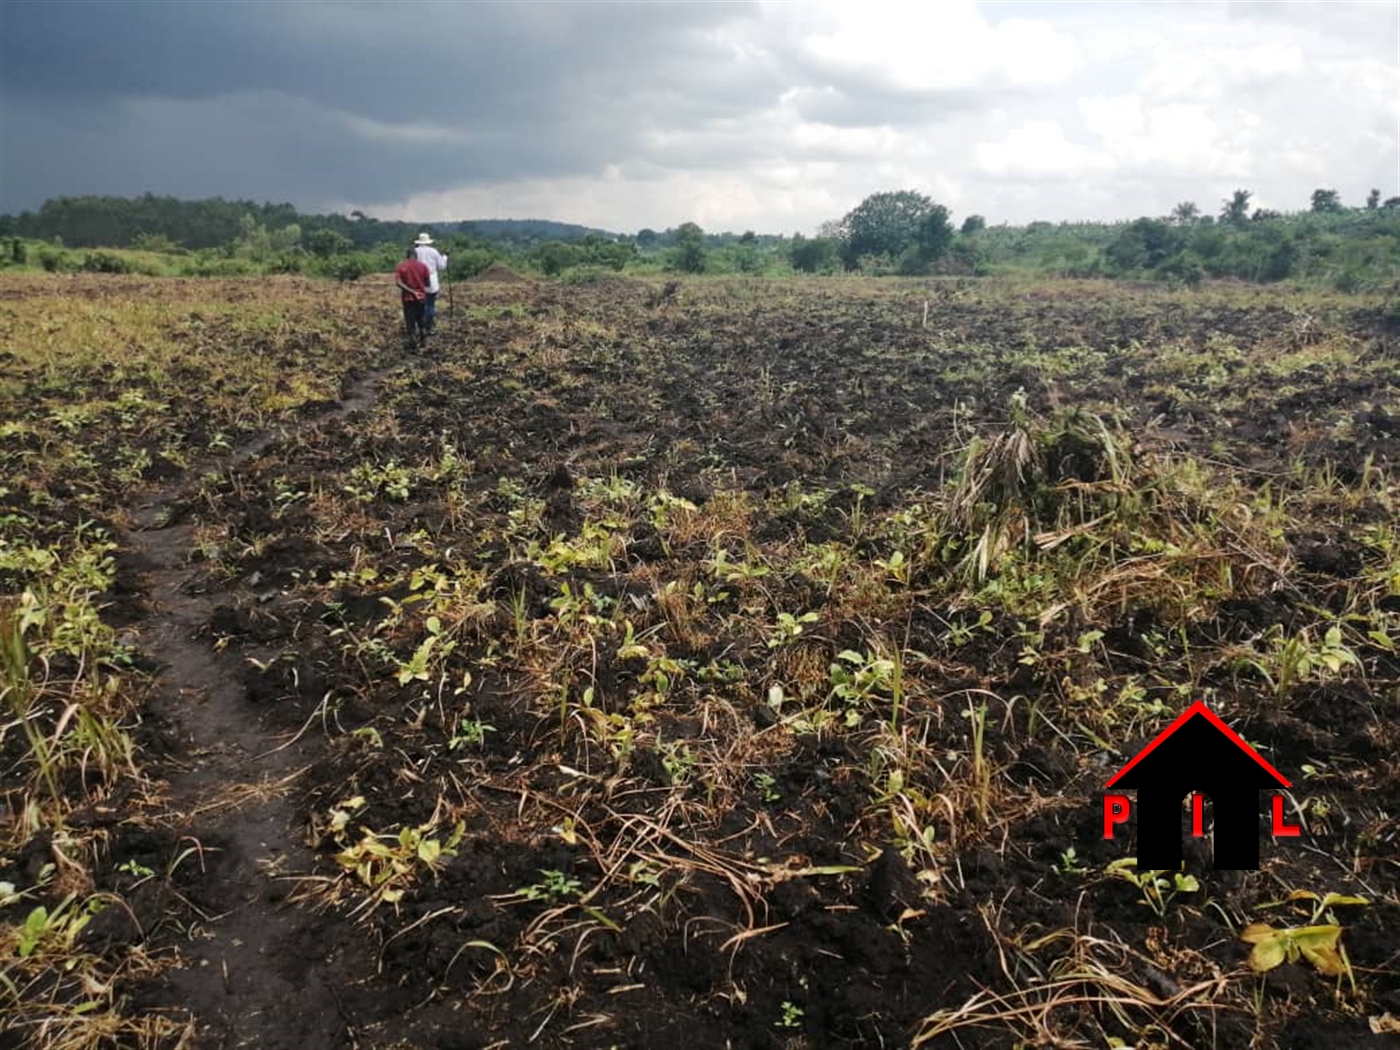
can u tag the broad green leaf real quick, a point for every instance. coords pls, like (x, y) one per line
(32, 930)
(1267, 954)
(1315, 936)
(1341, 898)
(1318, 945)
(1327, 960)
(1256, 932)
(36, 920)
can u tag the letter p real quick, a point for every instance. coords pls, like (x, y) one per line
(1115, 811)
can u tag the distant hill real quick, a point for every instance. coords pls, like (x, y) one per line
(125, 222)
(524, 230)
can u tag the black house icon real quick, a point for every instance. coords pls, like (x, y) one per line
(1198, 752)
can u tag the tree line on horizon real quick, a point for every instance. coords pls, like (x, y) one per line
(897, 232)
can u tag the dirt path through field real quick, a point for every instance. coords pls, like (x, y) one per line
(253, 964)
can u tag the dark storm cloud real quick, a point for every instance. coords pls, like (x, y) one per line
(302, 101)
(259, 145)
(376, 59)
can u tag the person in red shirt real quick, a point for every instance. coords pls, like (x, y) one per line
(412, 278)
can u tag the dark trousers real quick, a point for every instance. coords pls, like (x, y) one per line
(413, 323)
(430, 312)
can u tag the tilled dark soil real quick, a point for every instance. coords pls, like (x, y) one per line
(523, 595)
(255, 963)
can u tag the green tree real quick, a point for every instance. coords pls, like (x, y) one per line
(814, 255)
(1183, 267)
(884, 224)
(1236, 210)
(286, 238)
(1373, 200)
(935, 237)
(967, 255)
(325, 243)
(1186, 213)
(690, 248)
(745, 258)
(972, 224)
(1326, 201)
(1276, 255)
(347, 267)
(554, 256)
(1143, 245)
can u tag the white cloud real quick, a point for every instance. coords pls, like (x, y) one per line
(1211, 72)
(1038, 150)
(1114, 117)
(935, 47)
(1176, 138)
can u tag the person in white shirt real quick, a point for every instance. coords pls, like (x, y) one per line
(436, 263)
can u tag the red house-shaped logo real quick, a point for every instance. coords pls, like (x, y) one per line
(1197, 753)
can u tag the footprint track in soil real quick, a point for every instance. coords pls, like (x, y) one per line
(254, 967)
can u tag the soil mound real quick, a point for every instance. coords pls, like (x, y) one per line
(500, 275)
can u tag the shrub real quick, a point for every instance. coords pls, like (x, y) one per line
(327, 243)
(876, 265)
(346, 267)
(104, 262)
(689, 255)
(286, 262)
(212, 265)
(815, 255)
(1349, 280)
(155, 242)
(1184, 268)
(468, 262)
(589, 273)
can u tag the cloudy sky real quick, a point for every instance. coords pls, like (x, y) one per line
(769, 116)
